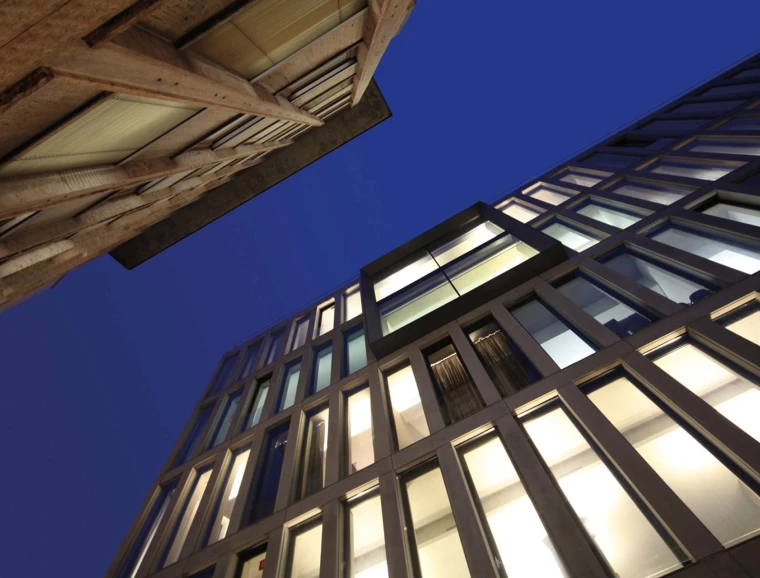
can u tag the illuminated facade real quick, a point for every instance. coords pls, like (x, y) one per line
(565, 383)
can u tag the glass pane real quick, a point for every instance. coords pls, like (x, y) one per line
(403, 274)
(651, 192)
(748, 123)
(562, 344)
(569, 237)
(408, 416)
(582, 178)
(253, 562)
(749, 73)
(693, 169)
(525, 549)
(207, 573)
(729, 253)
(353, 305)
(489, 262)
(708, 106)
(225, 420)
(720, 500)
(624, 535)
(306, 552)
(675, 287)
(547, 195)
(734, 213)
(257, 405)
(475, 237)
(326, 319)
(289, 385)
(229, 496)
(609, 216)
(224, 374)
(194, 437)
(186, 518)
(439, 549)
(300, 333)
(276, 344)
(361, 453)
(736, 89)
(366, 553)
(747, 146)
(322, 368)
(616, 316)
(609, 162)
(314, 456)
(267, 478)
(456, 391)
(745, 322)
(356, 351)
(731, 394)
(415, 301)
(520, 212)
(249, 363)
(673, 126)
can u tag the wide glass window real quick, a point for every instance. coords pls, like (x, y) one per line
(194, 437)
(352, 304)
(745, 322)
(185, 520)
(724, 388)
(408, 415)
(506, 365)
(322, 368)
(675, 286)
(622, 532)
(249, 361)
(691, 168)
(549, 194)
(732, 90)
(256, 408)
(434, 536)
(289, 385)
(314, 452)
(276, 345)
(224, 374)
(732, 212)
(651, 192)
(326, 319)
(570, 237)
(300, 333)
(674, 126)
(456, 391)
(252, 562)
(228, 497)
(720, 106)
(361, 452)
(225, 420)
(562, 344)
(608, 215)
(742, 123)
(524, 547)
(727, 252)
(728, 508)
(267, 479)
(609, 162)
(724, 146)
(305, 552)
(207, 573)
(356, 351)
(520, 212)
(366, 540)
(615, 315)
(581, 177)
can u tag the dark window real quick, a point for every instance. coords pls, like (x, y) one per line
(207, 573)
(225, 372)
(708, 106)
(609, 162)
(314, 452)
(300, 333)
(249, 362)
(256, 407)
(251, 562)
(355, 352)
(194, 436)
(268, 473)
(276, 343)
(225, 420)
(456, 391)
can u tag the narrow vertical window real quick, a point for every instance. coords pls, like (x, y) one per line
(253, 416)
(276, 344)
(322, 368)
(268, 473)
(249, 361)
(305, 552)
(326, 319)
(352, 304)
(356, 351)
(366, 541)
(224, 374)
(456, 391)
(206, 573)
(506, 365)
(187, 516)
(136, 556)
(524, 547)
(409, 420)
(622, 532)
(361, 452)
(252, 562)
(300, 333)
(434, 538)
(221, 519)
(314, 452)
(289, 385)
(194, 437)
(225, 420)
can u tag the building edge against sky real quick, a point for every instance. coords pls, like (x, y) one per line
(561, 383)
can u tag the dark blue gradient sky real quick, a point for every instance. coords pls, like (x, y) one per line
(100, 374)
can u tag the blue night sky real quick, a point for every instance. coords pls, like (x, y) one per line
(100, 374)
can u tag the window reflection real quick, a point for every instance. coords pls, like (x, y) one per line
(581, 177)
(725, 146)
(607, 215)
(194, 437)
(366, 540)
(322, 372)
(352, 304)
(550, 195)
(249, 362)
(225, 420)
(733, 212)
(745, 322)
(256, 407)
(520, 212)
(221, 520)
(361, 452)
(356, 351)
(314, 452)
(408, 415)
(224, 374)
(305, 551)
(267, 479)
(185, 519)
(659, 193)
(456, 391)
(326, 319)
(276, 345)
(289, 385)
(300, 333)
(571, 237)
(693, 169)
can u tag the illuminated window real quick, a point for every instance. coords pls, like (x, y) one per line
(194, 437)
(228, 497)
(520, 212)
(322, 368)
(361, 452)
(314, 452)
(733, 212)
(255, 409)
(252, 562)
(305, 552)
(703, 169)
(570, 237)
(651, 192)
(352, 304)
(604, 214)
(581, 177)
(289, 385)
(326, 321)
(456, 391)
(408, 415)
(745, 322)
(225, 420)
(724, 146)
(185, 520)
(549, 194)
(366, 541)
(225, 372)
(267, 479)
(356, 351)
(622, 532)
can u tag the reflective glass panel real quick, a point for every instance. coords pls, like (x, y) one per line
(745, 322)
(520, 212)
(547, 195)
(276, 344)
(267, 479)
(725, 146)
(570, 237)
(361, 452)
(249, 362)
(748, 123)
(326, 319)
(692, 169)
(229, 496)
(257, 405)
(289, 385)
(738, 213)
(322, 368)
(456, 391)
(225, 372)
(305, 551)
(651, 192)
(674, 126)
(225, 420)
(356, 351)
(403, 274)
(408, 416)
(186, 518)
(366, 546)
(415, 301)
(194, 437)
(314, 452)
(582, 178)
(253, 562)
(475, 237)
(352, 303)
(300, 333)
(607, 215)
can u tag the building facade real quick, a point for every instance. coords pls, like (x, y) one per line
(565, 383)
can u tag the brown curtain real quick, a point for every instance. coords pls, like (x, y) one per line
(506, 371)
(455, 388)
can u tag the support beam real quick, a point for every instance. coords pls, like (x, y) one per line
(382, 23)
(26, 86)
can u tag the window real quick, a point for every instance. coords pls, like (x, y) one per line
(549, 194)
(144, 539)
(506, 365)
(609, 162)
(457, 394)
(366, 540)
(727, 252)
(562, 344)
(223, 510)
(322, 368)
(724, 146)
(249, 361)
(433, 534)
(615, 315)
(692, 169)
(651, 192)
(750, 123)
(276, 344)
(187, 516)
(409, 420)
(361, 452)
(314, 452)
(570, 237)
(300, 333)
(676, 286)
(728, 508)
(745, 322)
(733, 212)
(352, 304)
(225, 372)
(581, 177)
(255, 409)
(520, 212)
(604, 214)
(268, 473)
(356, 351)
(289, 385)
(749, 73)
(726, 389)
(621, 531)
(673, 126)
(716, 107)
(523, 546)
(642, 142)
(207, 573)
(188, 448)
(252, 562)
(225, 420)
(733, 90)
(305, 553)
(326, 319)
